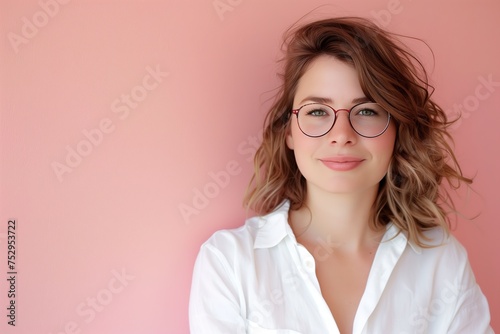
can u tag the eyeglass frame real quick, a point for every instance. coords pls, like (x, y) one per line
(297, 110)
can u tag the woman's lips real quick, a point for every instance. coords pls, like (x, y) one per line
(342, 163)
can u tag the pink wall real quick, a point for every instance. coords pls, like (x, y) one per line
(158, 98)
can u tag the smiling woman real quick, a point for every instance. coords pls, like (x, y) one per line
(365, 152)
(351, 234)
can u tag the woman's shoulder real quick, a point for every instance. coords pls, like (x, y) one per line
(231, 237)
(441, 248)
(441, 263)
(438, 239)
(255, 232)
(272, 224)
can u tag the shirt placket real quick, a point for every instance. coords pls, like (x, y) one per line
(307, 269)
(385, 260)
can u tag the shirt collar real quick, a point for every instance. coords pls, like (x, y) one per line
(273, 227)
(395, 234)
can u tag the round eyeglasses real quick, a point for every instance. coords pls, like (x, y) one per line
(368, 119)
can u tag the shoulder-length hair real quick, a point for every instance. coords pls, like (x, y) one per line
(410, 195)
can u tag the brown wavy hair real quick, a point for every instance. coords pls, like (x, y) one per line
(410, 196)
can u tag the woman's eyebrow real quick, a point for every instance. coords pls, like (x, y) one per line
(317, 99)
(361, 100)
(327, 100)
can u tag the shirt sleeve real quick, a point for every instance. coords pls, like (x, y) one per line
(215, 300)
(472, 313)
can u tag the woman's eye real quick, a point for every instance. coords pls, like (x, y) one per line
(317, 112)
(367, 112)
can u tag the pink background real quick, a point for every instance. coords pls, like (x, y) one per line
(117, 211)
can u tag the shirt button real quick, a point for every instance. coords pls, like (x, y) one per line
(309, 264)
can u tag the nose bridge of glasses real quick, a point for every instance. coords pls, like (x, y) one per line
(336, 111)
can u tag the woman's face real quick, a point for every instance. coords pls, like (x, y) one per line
(340, 161)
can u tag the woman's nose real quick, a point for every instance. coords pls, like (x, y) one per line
(342, 132)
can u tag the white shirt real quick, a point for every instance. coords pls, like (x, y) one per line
(258, 279)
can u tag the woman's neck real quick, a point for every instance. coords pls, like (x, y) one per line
(343, 221)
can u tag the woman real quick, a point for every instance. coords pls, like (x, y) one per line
(352, 234)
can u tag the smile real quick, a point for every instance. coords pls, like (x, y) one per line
(342, 163)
